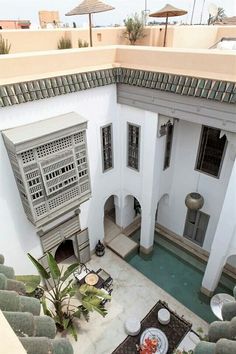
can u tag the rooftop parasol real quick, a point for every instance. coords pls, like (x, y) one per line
(89, 7)
(168, 11)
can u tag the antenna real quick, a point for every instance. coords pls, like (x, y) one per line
(212, 9)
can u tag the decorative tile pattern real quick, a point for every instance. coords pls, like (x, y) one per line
(216, 90)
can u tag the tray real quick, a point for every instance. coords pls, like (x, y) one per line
(156, 333)
(91, 279)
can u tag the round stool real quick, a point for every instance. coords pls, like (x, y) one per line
(163, 316)
(132, 326)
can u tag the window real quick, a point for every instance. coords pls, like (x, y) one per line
(107, 155)
(196, 226)
(169, 138)
(133, 146)
(211, 151)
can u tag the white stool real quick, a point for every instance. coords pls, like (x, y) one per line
(132, 326)
(163, 316)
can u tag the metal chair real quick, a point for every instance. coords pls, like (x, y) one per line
(81, 272)
(104, 301)
(107, 279)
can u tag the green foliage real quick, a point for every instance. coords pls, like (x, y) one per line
(82, 44)
(4, 46)
(219, 16)
(31, 282)
(134, 28)
(64, 289)
(64, 43)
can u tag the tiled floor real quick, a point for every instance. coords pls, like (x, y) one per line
(133, 294)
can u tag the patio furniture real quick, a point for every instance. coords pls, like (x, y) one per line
(132, 326)
(81, 272)
(163, 316)
(107, 279)
(217, 301)
(99, 284)
(156, 333)
(104, 301)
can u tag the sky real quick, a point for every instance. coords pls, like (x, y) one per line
(28, 10)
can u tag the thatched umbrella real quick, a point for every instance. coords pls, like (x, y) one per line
(89, 7)
(168, 11)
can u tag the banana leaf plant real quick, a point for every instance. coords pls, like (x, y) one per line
(64, 289)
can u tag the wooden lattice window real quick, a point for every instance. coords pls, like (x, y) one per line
(211, 151)
(107, 149)
(133, 146)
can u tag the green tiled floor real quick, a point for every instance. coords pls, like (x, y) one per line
(176, 276)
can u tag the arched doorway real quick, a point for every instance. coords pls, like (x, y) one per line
(132, 217)
(111, 229)
(161, 206)
(65, 250)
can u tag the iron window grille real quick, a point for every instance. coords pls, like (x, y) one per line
(211, 151)
(133, 146)
(107, 147)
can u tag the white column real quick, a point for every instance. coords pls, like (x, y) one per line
(225, 238)
(149, 180)
(125, 212)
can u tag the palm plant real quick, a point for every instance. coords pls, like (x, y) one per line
(134, 28)
(82, 44)
(64, 43)
(218, 17)
(4, 46)
(64, 289)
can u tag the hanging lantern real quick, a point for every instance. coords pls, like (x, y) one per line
(100, 249)
(194, 201)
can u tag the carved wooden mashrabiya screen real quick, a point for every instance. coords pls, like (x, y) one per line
(50, 164)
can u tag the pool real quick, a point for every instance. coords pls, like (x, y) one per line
(178, 273)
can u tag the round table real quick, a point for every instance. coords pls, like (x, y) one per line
(217, 301)
(156, 333)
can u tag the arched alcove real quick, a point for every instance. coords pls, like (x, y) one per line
(111, 229)
(65, 250)
(163, 201)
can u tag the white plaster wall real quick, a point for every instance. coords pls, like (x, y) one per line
(185, 180)
(148, 185)
(99, 107)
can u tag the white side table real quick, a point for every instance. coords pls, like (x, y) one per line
(132, 326)
(163, 316)
(217, 301)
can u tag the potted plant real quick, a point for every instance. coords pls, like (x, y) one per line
(63, 312)
(134, 28)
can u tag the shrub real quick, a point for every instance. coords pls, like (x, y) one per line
(134, 28)
(4, 46)
(64, 43)
(82, 44)
(64, 290)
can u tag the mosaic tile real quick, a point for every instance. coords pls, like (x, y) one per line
(179, 84)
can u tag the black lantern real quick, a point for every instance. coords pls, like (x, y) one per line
(100, 249)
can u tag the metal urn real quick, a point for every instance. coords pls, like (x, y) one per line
(100, 249)
(194, 201)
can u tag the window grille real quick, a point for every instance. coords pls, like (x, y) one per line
(133, 146)
(53, 173)
(55, 146)
(211, 151)
(79, 138)
(107, 148)
(169, 139)
(63, 198)
(27, 156)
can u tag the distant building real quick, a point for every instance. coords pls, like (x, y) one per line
(49, 18)
(15, 24)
